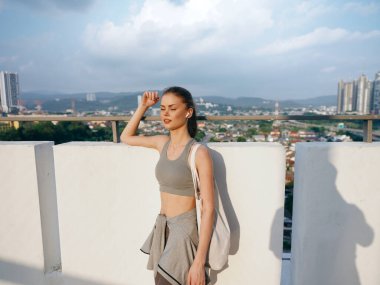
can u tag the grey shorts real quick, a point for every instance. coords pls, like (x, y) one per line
(173, 257)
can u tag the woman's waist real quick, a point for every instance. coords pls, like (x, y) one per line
(173, 205)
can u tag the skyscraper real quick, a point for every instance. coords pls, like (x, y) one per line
(363, 92)
(376, 94)
(348, 98)
(9, 91)
(340, 97)
(139, 98)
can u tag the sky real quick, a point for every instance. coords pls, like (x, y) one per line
(233, 48)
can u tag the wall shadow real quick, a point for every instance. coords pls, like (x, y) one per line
(277, 226)
(347, 228)
(13, 272)
(220, 177)
(334, 227)
(277, 231)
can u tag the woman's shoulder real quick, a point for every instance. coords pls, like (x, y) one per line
(161, 140)
(203, 152)
(203, 159)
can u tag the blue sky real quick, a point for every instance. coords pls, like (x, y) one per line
(270, 49)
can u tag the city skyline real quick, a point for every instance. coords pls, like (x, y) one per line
(274, 50)
(361, 96)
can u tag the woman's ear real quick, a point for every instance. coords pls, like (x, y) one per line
(189, 113)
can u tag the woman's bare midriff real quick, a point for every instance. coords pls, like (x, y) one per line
(173, 205)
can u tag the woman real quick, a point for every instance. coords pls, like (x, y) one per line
(176, 253)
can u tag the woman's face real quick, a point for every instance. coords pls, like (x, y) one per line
(173, 111)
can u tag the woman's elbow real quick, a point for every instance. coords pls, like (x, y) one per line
(125, 139)
(208, 209)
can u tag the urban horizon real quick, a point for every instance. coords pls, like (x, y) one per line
(361, 96)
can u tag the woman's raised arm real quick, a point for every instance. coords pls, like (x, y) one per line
(128, 135)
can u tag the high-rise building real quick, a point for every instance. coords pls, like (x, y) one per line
(139, 98)
(363, 92)
(90, 97)
(348, 96)
(376, 94)
(9, 91)
(277, 108)
(340, 97)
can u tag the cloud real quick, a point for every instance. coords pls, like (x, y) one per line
(318, 37)
(364, 36)
(69, 5)
(328, 69)
(164, 28)
(312, 9)
(195, 43)
(362, 8)
(213, 47)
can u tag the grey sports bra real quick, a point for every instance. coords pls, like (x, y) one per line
(174, 176)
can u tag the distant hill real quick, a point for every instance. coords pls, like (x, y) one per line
(59, 102)
(246, 102)
(46, 95)
(268, 103)
(329, 100)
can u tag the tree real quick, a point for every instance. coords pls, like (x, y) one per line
(265, 126)
(320, 131)
(251, 132)
(340, 132)
(41, 131)
(10, 134)
(200, 135)
(64, 131)
(213, 139)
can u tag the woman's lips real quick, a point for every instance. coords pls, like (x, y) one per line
(166, 121)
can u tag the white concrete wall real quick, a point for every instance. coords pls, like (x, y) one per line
(336, 216)
(108, 199)
(29, 238)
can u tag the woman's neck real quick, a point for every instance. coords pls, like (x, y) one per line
(179, 139)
